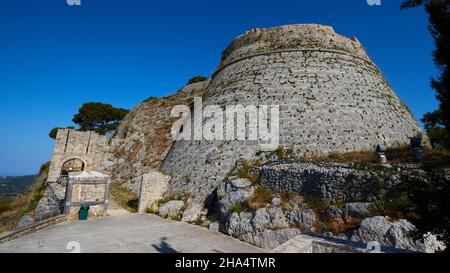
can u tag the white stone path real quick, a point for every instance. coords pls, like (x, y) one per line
(124, 233)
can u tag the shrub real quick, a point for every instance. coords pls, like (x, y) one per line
(197, 79)
(238, 207)
(152, 100)
(5, 205)
(124, 198)
(281, 153)
(253, 177)
(317, 204)
(262, 197)
(150, 211)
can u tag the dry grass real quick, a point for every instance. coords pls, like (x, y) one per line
(349, 157)
(287, 197)
(395, 155)
(124, 198)
(319, 205)
(261, 199)
(15, 208)
(337, 225)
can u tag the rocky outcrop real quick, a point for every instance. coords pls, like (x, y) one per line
(52, 201)
(171, 209)
(332, 98)
(144, 137)
(282, 219)
(393, 234)
(331, 181)
(266, 228)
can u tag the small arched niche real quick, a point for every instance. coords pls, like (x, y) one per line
(72, 165)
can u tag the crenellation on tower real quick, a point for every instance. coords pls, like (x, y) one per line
(332, 98)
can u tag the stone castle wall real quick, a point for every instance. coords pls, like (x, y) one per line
(88, 147)
(332, 99)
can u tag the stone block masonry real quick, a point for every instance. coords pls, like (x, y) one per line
(153, 187)
(332, 98)
(89, 148)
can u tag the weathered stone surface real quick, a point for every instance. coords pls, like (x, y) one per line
(171, 209)
(153, 187)
(432, 244)
(261, 221)
(214, 227)
(372, 229)
(276, 201)
(332, 212)
(52, 201)
(304, 219)
(192, 213)
(269, 239)
(277, 218)
(332, 100)
(87, 147)
(144, 137)
(333, 181)
(358, 210)
(25, 221)
(240, 223)
(397, 235)
(233, 192)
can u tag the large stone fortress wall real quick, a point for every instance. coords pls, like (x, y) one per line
(332, 99)
(89, 147)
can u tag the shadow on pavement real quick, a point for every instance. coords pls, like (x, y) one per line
(164, 247)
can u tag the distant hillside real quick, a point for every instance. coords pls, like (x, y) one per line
(15, 185)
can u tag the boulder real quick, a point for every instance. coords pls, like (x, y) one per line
(372, 229)
(276, 201)
(51, 203)
(241, 183)
(240, 223)
(277, 218)
(232, 185)
(231, 195)
(432, 244)
(303, 218)
(214, 227)
(396, 235)
(192, 213)
(25, 221)
(270, 239)
(171, 209)
(399, 235)
(358, 210)
(331, 213)
(261, 221)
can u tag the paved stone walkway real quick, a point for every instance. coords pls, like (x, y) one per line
(135, 233)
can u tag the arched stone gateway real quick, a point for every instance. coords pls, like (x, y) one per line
(74, 164)
(77, 151)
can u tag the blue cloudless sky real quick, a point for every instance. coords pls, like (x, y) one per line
(55, 57)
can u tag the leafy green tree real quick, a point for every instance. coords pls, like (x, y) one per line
(435, 129)
(99, 117)
(431, 199)
(197, 79)
(439, 18)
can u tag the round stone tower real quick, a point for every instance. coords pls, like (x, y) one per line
(332, 98)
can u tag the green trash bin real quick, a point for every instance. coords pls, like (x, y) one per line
(84, 212)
